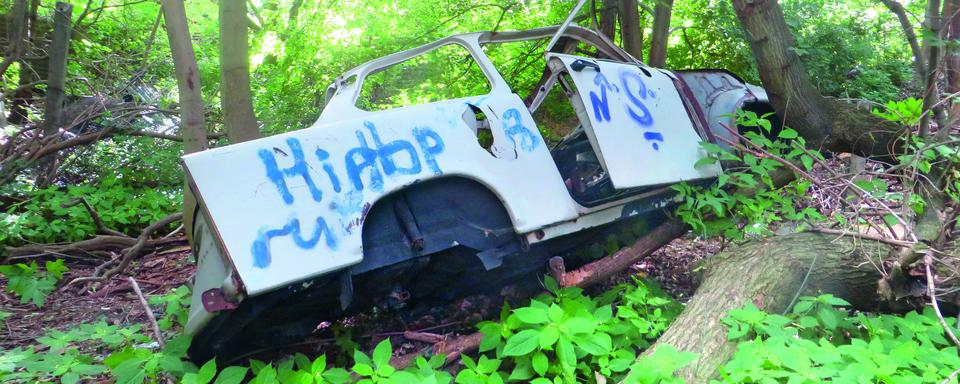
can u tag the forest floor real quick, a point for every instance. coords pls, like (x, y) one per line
(115, 301)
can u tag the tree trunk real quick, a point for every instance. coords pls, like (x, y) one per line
(608, 19)
(235, 99)
(23, 96)
(770, 273)
(16, 35)
(188, 76)
(910, 35)
(630, 31)
(824, 122)
(661, 31)
(188, 84)
(56, 81)
(952, 60)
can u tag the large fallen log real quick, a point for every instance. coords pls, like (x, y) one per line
(770, 273)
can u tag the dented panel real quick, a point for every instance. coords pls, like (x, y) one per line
(291, 206)
(637, 122)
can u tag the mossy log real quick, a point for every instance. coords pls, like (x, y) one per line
(770, 273)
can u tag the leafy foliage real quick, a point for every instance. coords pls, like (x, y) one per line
(30, 283)
(755, 202)
(818, 341)
(54, 215)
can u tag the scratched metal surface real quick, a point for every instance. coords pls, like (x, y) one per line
(291, 206)
(638, 124)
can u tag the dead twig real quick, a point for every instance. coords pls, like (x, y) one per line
(899, 243)
(146, 308)
(927, 260)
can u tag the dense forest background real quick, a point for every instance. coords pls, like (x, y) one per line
(102, 199)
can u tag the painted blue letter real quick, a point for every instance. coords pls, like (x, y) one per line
(430, 151)
(299, 168)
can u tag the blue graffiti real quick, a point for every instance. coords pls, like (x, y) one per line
(374, 162)
(368, 161)
(299, 168)
(513, 125)
(601, 106)
(424, 136)
(644, 119)
(328, 169)
(261, 246)
(654, 136)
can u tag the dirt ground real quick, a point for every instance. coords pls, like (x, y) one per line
(116, 303)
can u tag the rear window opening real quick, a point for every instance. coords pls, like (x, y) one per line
(443, 73)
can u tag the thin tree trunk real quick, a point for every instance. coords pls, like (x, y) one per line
(911, 36)
(23, 96)
(188, 79)
(823, 122)
(952, 63)
(661, 31)
(769, 273)
(16, 35)
(931, 92)
(188, 85)
(630, 31)
(608, 19)
(235, 99)
(56, 81)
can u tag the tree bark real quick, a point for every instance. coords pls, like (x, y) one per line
(661, 31)
(16, 35)
(630, 30)
(608, 19)
(188, 76)
(188, 85)
(769, 273)
(56, 81)
(825, 123)
(931, 91)
(235, 99)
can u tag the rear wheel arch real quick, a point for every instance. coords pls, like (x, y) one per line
(431, 216)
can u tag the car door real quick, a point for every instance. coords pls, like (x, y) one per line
(635, 120)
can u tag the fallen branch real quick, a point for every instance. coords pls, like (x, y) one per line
(97, 221)
(146, 308)
(131, 253)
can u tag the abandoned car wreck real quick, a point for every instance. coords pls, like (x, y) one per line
(378, 200)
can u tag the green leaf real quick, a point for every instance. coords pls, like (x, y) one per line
(787, 133)
(382, 353)
(531, 315)
(522, 343)
(540, 363)
(207, 372)
(231, 375)
(548, 336)
(891, 219)
(565, 353)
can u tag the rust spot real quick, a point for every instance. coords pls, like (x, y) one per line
(365, 211)
(539, 234)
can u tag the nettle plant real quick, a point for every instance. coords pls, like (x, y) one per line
(567, 337)
(819, 341)
(54, 214)
(745, 200)
(30, 283)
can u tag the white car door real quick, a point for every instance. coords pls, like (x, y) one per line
(636, 122)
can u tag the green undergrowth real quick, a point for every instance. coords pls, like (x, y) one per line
(562, 336)
(819, 341)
